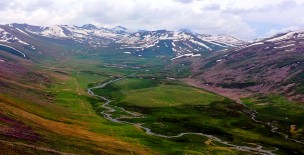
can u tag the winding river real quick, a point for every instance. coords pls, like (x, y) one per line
(109, 110)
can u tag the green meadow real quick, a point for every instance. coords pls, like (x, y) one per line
(147, 93)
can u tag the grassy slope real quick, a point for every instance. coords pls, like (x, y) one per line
(140, 93)
(62, 115)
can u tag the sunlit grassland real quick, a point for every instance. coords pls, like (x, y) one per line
(164, 96)
(145, 93)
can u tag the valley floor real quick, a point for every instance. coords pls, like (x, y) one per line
(46, 109)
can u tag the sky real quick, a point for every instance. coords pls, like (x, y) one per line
(245, 19)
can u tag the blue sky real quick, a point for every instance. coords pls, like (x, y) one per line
(246, 19)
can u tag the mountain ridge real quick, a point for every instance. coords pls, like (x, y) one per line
(141, 43)
(271, 65)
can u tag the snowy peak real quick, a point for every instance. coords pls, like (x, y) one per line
(89, 27)
(119, 28)
(122, 30)
(187, 31)
(54, 31)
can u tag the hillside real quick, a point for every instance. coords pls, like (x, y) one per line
(271, 65)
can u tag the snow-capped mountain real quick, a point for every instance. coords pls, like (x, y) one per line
(180, 42)
(121, 38)
(282, 41)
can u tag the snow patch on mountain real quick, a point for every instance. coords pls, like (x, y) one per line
(21, 31)
(289, 45)
(201, 44)
(7, 37)
(285, 36)
(186, 55)
(222, 40)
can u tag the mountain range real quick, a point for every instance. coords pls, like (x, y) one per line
(175, 42)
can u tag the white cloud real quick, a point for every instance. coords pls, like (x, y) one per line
(205, 16)
(184, 1)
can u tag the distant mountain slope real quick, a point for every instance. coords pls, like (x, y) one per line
(272, 65)
(141, 43)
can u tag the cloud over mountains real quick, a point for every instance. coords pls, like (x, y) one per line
(244, 19)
